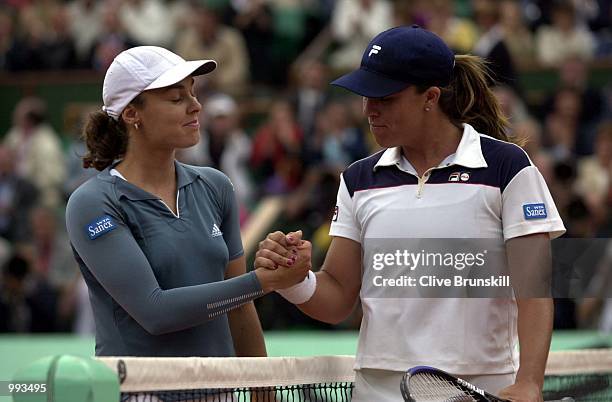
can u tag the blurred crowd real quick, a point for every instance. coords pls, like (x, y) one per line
(306, 133)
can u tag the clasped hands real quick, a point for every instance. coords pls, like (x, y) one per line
(282, 260)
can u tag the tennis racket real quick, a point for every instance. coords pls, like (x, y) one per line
(428, 384)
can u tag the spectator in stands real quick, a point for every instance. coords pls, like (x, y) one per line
(5, 252)
(339, 142)
(207, 38)
(223, 145)
(85, 24)
(562, 128)
(148, 22)
(112, 40)
(59, 52)
(513, 107)
(27, 303)
(43, 41)
(310, 96)
(53, 261)
(51, 253)
(342, 141)
(277, 147)
(492, 46)
(460, 33)
(17, 197)
(254, 19)
(564, 38)
(6, 35)
(574, 73)
(595, 172)
(530, 131)
(354, 23)
(37, 149)
(562, 183)
(517, 35)
(27, 49)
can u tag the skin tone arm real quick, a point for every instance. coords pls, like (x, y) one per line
(530, 258)
(338, 280)
(244, 322)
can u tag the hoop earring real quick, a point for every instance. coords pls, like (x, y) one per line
(136, 126)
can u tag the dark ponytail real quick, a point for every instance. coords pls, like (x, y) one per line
(469, 99)
(106, 139)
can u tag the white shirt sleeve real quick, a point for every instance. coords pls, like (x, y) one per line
(343, 222)
(528, 207)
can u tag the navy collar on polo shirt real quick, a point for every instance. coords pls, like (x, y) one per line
(124, 188)
(468, 154)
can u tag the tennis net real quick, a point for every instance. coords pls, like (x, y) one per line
(585, 375)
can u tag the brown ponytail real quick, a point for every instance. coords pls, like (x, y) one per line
(469, 99)
(106, 139)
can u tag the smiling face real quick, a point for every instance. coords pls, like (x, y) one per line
(396, 118)
(168, 117)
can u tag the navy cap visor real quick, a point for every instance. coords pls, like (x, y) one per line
(369, 84)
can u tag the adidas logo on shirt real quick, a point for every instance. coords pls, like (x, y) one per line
(215, 231)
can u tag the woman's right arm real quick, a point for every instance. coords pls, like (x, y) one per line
(108, 249)
(338, 283)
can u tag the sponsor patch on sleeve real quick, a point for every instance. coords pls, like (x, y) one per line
(100, 226)
(534, 211)
(335, 217)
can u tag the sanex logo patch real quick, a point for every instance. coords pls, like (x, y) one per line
(100, 226)
(534, 211)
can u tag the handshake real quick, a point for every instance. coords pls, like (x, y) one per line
(283, 264)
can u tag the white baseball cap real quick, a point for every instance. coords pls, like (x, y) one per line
(142, 68)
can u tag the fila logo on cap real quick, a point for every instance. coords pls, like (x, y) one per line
(374, 50)
(215, 231)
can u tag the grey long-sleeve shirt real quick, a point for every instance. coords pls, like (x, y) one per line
(155, 279)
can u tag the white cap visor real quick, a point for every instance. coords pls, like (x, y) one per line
(182, 71)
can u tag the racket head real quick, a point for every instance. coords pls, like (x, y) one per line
(428, 384)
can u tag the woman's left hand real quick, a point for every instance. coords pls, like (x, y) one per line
(278, 249)
(522, 391)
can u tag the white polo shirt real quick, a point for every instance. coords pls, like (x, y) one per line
(487, 189)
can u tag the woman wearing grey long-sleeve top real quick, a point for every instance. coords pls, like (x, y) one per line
(157, 241)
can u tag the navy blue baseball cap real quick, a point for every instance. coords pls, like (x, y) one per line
(397, 58)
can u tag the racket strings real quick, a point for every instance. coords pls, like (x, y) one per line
(427, 387)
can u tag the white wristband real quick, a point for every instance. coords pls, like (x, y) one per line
(301, 292)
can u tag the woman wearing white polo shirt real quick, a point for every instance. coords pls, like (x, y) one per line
(438, 177)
